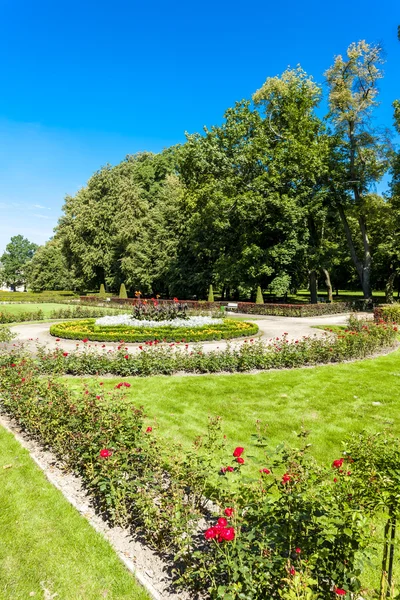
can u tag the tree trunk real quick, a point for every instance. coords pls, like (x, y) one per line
(363, 267)
(328, 284)
(389, 288)
(313, 286)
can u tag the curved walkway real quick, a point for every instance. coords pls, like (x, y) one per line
(270, 328)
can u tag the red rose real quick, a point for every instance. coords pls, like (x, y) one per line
(126, 356)
(292, 571)
(65, 353)
(149, 430)
(298, 550)
(13, 365)
(222, 522)
(98, 397)
(340, 592)
(105, 453)
(337, 464)
(210, 533)
(286, 478)
(125, 384)
(266, 471)
(58, 339)
(23, 379)
(238, 452)
(85, 340)
(228, 534)
(334, 480)
(228, 512)
(240, 460)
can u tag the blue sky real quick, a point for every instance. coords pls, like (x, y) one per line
(84, 83)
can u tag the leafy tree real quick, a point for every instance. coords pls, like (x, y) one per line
(48, 269)
(359, 152)
(16, 260)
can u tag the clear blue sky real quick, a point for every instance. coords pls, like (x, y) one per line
(86, 82)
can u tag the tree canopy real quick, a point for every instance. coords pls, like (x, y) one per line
(274, 197)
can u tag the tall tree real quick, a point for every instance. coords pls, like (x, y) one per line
(48, 269)
(15, 261)
(359, 151)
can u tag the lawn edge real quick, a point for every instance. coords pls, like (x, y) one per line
(27, 442)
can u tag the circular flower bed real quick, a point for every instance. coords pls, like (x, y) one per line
(88, 330)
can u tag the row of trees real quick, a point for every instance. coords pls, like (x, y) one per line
(275, 197)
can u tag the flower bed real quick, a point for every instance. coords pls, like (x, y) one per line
(88, 330)
(294, 310)
(278, 521)
(161, 359)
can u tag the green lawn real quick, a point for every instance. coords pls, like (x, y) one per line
(332, 402)
(17, 309)
(44, 539)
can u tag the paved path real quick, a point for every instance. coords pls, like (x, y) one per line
(270, 328)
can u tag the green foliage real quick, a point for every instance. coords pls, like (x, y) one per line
(48, 269)
(293, 310)
(5, 333)
(88, 330)
(389, 313)
(102, 292)
(15, 261)
(295, 529)
(122, 291)
(259, 297)
(210, 294)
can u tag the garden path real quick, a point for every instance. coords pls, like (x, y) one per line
(269, 326)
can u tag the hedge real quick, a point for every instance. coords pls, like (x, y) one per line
(293, 310)
(88, 330)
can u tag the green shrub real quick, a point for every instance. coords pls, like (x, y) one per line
(6, 335)
(122, 291)
(102, 333)
(102, 292)
(210, 294)
(388, 312)
(259, 297)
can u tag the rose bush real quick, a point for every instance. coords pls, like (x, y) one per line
(155, 358)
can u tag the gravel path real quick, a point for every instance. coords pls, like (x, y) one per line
(270, 328)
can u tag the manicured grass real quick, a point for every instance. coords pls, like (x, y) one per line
(44, 539)
(16, 309)
(332, 402)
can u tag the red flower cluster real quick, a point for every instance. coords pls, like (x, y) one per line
(122, 384)
(339, 592)
(265, 471)
(228, 512)
(286, 478)
(225, 469)
(221, 532)
(338, 463)
(105, 453)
